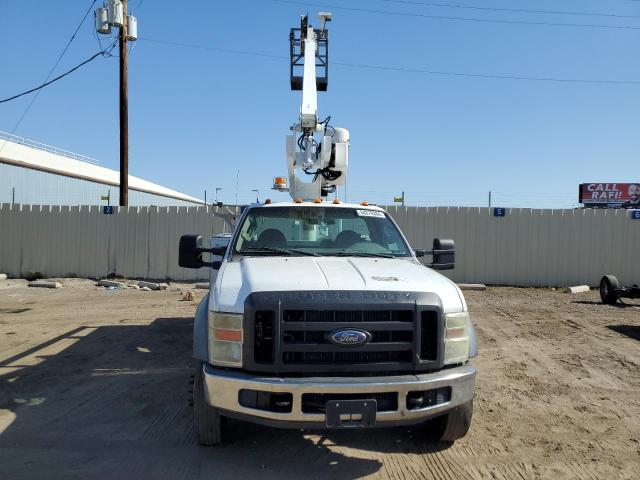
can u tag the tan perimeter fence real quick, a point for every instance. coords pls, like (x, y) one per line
(526, 247)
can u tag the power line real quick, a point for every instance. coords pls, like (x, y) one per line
(59, 76)
(510, 10)
(406, 69)
(64, 50)
(490, 76)
(465, 19)
(215, 49)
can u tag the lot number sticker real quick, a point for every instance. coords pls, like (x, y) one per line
(635, 214)
(370, 213)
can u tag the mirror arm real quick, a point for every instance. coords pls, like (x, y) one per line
(214, 251)
(215, 265)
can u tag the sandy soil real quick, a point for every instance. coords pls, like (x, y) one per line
(94, 383)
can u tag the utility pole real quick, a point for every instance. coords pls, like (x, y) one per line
(257, 195)
(113, 13)
(489, 198)
(124, 112)
(237, 183)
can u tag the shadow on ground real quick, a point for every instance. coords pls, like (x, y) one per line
(115, 404)
(600, 304)
(631, 331)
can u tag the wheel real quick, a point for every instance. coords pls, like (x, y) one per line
(208, 424)
(609, 287)
(452, 426)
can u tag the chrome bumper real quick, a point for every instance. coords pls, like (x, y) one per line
(223, 386)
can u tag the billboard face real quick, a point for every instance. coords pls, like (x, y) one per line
(625, 195)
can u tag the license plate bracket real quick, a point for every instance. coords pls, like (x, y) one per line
(351, 413)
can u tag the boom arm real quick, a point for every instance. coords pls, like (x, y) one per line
(314, 149)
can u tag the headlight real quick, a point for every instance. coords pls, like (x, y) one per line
(456, 337)
(225, 339)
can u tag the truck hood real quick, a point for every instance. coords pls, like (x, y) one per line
(239, 278)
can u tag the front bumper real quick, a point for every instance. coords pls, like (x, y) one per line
(222, 389)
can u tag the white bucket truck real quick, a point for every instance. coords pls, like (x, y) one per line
(319, 313)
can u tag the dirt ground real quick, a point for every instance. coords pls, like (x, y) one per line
(94, 383)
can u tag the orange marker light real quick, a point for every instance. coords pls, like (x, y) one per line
(317, 200)
(228, 335)
(336, 201)
(364, 204)
(267, 201)
(298, 200)
(279, 181)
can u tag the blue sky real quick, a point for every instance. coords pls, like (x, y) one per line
(198, 116)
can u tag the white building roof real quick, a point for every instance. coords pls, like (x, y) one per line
(28, 154)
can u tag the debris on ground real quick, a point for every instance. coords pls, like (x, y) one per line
(188, 296)
(578, 289)
(203, 285)
(3, 276)
(145, 289)
(45, 284)
(152, 285)
(479, 287)
(110, 283)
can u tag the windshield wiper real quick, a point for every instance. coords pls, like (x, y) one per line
(365, 254)
(284, 251)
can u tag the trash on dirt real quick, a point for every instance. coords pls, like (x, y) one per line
(110, 283)
(3, 276)
(152, 285)
(203, 285)
(472, 286)
(578, 289)
(145, 289)
(45, 284)
(188, 296)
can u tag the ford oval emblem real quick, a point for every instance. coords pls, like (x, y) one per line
(350, 338)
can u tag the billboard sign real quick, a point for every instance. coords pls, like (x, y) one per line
(620, 195)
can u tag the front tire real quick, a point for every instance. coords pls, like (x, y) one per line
(609, 287)
(453, 425)
(208, 424)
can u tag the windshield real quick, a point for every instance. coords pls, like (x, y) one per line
(319, 231)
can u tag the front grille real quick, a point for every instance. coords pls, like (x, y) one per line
(288, 333)
(305, 337)
(347, 316)
(264, 337)
(342, 358)
(429, 335)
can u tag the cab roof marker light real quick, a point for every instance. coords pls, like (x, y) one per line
(364, 204)
(280, 184)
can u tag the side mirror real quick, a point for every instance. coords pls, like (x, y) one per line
(444, 254)
(190, 252)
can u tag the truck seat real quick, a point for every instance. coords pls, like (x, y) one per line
(273, 238)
